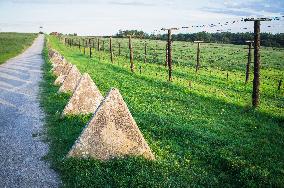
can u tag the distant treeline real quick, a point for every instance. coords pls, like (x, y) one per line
(267, 39)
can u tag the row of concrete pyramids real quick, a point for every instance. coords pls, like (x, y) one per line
(112, 132)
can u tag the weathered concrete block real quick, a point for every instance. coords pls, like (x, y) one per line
(71, 80)
(59, 80)
(56, 62)
(54, 59)
(55, 56)
(85, 99)
(51, 53)
(112, 132)
(57, 70)
(64, 72)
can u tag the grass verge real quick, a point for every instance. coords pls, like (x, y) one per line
(12, 44)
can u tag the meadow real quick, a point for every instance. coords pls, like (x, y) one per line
(201, 126)
(12, 44)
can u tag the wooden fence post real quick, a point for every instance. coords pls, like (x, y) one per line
(170, 61)
(130, 54)
(197, 55)
(90, 51)
(119, 49)
(155, 54)
(103, 47)
(80, 45)
(98, 44)
(166, 62)
(145, 53)
(85, 42)
(110, 49)
(256, 79)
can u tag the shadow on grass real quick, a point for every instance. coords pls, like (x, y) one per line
(198, 141)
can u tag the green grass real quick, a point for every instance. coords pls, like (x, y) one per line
(205, 135)
(12, 44)
(224, 57)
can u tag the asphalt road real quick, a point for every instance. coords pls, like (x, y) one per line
(21, 122)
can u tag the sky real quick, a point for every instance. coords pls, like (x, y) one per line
(106, 17)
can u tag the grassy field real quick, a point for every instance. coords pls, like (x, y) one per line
(203, 135)
(12, 44)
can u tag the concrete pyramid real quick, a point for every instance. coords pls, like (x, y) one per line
(71, 80)
(112, 132)
(64, 72)
(85, 99)
(56, 59)
(56, 62)
(59, 67)
(51, 53)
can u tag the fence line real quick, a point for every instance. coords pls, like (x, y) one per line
(144, 52)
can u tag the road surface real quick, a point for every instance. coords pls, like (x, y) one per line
(21, 122)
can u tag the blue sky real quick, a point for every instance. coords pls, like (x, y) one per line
(105, 17)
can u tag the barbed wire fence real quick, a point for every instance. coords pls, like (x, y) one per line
(166, 53)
